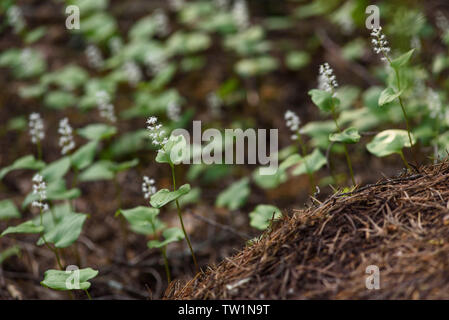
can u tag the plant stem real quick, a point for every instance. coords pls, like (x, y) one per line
(405, 161)
(398, 80)
(348, 160)
(182, 222)
(164, 254)
(167, 269)
(39, 150)
(88, 295)
(304, 154)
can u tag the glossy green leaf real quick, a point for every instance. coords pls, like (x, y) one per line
(100, 170)
(142, 220)
(164, 196)
(69, 280)
(26, 162)
(56, 190)
(56, 170)
(12, 251)
(97, 131)
(323, 99)
(85, 155)
(349, 135)
(170, 235)
(388, 142)
(66, 231)
(174, 150)
(388, 95)
(402, 60)
(262, 215)
(8, 210)
(26, 227)
(310, 164)
(235, 196)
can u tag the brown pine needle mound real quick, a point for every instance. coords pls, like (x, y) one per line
(400, 225)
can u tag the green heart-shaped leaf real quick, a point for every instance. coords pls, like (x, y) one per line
(174, 150)
(323, 99)
(68, 280)
(26, 227)
(56, 190)
(235, 196)
(143, 220)
(388, 95)
(310, 164)
(26, 162)
(402, 60)
(56, 170)
(350, 135)
(388, 142)
(84, 156)
(164, 196)
(170, 235)
(97, 131)
(262, 215)
(66, 231)
(8, 210)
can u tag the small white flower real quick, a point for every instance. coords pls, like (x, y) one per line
(155, 61)
(94, 57)
(148, 187)
(133, 73)
(214, 103)
(66, 141)
(327, 81)
(158, 136)
(40, 188)
(105, 106)
(441, 21)
(176, 5)
(36, 128)
(173, 111)
(434, 104)
(380, 43)
(162, 23)
(292, 121)
(240, 14)
(15, 18)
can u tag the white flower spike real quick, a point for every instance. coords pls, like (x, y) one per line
(327, 81)
(292, 122)
(158, 136)
(380, 43)
(36, 128)
(66, 141)
(105, 106)
(40, 188)
(148, 187)
(174, 111)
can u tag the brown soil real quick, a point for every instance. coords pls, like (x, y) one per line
(400, 225)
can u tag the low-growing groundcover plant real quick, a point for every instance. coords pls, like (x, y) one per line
(210, 61)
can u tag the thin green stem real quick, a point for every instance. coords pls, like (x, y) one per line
(398, 80)
(348, 159)
(182, 222)
(304, 154)
(39, 150)
(404, 160)
(167, 269)
(164, 253)
(88, 294)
